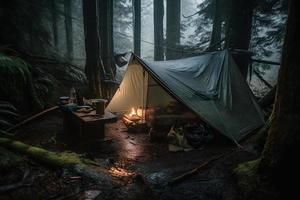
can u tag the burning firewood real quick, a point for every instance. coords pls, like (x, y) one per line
(134, 120)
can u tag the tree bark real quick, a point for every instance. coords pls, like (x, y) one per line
(268, 99)
(94, 66)
(215, 41)
(279, 158)
(69, 28)
(158, 29)
(239, 31)
(137, 26)
(54, 15)
(106, 35)
(173, 29)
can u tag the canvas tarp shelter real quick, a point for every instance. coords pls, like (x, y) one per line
(210, 85)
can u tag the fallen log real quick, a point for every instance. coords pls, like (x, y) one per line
(67, 160)
(49, 158)
(196, 170)
(32, 118)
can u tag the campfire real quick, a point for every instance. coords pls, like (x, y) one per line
(132, 113)
(135, 115)
(135, 119)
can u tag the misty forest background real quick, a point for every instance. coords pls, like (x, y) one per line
(50, 37)
(48, 47)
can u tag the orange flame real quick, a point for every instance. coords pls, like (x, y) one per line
(132, 113)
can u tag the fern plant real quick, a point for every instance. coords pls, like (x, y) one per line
(31, 85)
(8, 116)
(16, 82)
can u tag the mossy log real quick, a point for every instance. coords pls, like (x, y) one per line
(71, 161)
(250, 182)
(52, 159)
(247, 178)
(247, 173)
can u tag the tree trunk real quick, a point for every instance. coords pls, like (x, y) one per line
(94, 67)
(69, 28)
(173, 29)
(239, 31)
(106, 35)
(279, 158)
(158, 29)
(137, 26)
(54, 15)
(268, 99)
(215, 41)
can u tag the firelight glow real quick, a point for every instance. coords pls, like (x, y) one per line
(119, 172)
(133, 112)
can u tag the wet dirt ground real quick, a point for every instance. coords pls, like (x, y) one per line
(139, 169)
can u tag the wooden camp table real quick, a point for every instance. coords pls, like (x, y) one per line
(86, 128)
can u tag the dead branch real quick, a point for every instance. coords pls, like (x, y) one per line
(31, 118)
(198, 12)
(265, 61)
(262, 79)
(196, 170)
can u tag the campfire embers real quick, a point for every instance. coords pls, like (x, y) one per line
(135, 120)
(133, 116)
(120, 172)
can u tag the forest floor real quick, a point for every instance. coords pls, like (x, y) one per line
(137, 168)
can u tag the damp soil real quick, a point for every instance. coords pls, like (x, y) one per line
(137, 167)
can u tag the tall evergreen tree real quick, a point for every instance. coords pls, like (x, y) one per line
(239, 29)
(122, 24)
(54, 17)
(276, 171)
(69, 28)
(269, 16)
(282, 146)
(106, 35)
(215, 40)
(158, 29)
(94, 68)
(173, 29)
(137, 26)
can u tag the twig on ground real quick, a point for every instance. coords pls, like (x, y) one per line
(196, 170)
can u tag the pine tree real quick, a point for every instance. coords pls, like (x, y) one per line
(158, 29)
(173, 29)
(106, 35)
(94, 68)
(137, 27)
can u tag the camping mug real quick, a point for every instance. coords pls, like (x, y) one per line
(100, 106)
